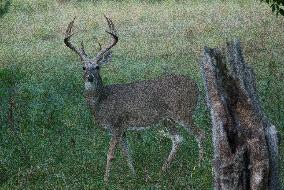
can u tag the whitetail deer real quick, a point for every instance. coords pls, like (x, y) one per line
(167, 100)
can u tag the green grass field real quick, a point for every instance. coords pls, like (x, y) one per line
(47, 136)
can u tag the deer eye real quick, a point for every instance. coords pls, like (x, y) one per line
(84, 68)
(97, 67)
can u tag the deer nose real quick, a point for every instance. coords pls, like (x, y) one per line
(90, 78)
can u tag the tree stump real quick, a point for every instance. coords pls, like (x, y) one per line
(245, 141)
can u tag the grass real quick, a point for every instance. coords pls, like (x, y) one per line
(51, 141)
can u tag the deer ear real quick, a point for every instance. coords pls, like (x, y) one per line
(105, 58)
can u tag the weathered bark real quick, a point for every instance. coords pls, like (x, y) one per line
(245, 142)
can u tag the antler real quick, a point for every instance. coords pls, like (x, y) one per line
(68, 34)
(112, 32)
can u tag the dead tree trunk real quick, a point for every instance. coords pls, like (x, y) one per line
(245, 142)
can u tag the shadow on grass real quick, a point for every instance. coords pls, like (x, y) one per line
(4, 8)
(8, 119)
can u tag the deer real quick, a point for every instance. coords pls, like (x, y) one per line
(167, 101)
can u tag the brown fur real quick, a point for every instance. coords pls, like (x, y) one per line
(146, 103)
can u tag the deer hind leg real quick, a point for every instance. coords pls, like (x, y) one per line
(110, 156)
(199, 136)
(176, 141)
(126, 154)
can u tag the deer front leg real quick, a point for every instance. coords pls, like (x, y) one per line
(110, 156)
(126, 153)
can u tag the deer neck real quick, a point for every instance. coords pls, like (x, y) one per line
(94, 91)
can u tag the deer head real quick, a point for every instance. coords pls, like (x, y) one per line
(91, 66)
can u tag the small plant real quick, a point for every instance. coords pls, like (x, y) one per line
(277, 6)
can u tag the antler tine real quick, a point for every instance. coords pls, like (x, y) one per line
(68, 34)
(110, 24)
(112, 32)
(100, 45)
(83, 48)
